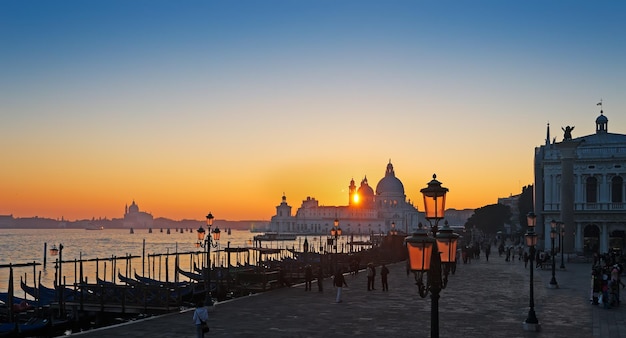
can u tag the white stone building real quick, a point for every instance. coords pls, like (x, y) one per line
(367, 212)
(580, 182)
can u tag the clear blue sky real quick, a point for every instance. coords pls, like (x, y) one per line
(186, 106)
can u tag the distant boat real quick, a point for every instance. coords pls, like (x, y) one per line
(54, 250)
(273, 236)
(94, 227)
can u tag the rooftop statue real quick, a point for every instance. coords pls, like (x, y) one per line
(567, 133)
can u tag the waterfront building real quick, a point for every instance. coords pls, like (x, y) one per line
(367, 211)
(7, 221)
(580, 182)
(513, 203)
(133, 218)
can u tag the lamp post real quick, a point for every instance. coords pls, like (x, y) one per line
(434, 254)
(562, 230)
(335, 232)
(553, 283)
(207, 242)
(531, 323)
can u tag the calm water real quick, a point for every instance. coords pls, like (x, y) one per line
(27, 246)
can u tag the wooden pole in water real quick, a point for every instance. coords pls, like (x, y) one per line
(113, 266)
(39, 284)
(80, 255)
(143, 258)
(11, 291)
(59, 267)
(45, 252)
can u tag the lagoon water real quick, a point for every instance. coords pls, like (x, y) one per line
(18, 246)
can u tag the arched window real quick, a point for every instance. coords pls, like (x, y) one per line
(592, 190)
(616, 189)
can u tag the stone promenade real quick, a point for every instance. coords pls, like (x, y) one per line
(482, 299)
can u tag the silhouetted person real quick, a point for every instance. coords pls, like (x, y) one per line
(320, 279)
(308, 277)
(339, 282)
(200, 317)
(525, 259)
(487, 252)
(384, 271)
(371, 275)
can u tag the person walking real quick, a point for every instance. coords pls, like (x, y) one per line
(384, 271)
(525, 259)
(320, 279)
(308, 277)
(371, 274)
(339, 282)
(487, 251)
(200, 319)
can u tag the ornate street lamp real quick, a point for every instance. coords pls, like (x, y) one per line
(335, 232)
(432, 255)
(531, 323)
(553, 283)
(207, 242)
(562, 230)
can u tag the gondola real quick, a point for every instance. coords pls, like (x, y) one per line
(191, 275)
(34, 326)
(45, 295)
(150, 281)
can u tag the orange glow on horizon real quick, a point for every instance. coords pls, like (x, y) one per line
(169, 193)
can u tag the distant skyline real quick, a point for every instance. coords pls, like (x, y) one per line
(195, 106)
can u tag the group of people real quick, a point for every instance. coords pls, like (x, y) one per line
(201, 316)
(308, 278)
(606, 280)
(371, 277)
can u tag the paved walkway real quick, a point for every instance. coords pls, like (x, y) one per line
(483, 299)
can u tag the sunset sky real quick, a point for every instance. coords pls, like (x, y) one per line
(188, 107)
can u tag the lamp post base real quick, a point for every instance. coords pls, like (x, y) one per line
(534, 327)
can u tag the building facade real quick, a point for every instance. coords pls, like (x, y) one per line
(580, 182)
(367, 211)
(513, 203)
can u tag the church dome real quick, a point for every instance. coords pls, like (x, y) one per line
(365, 189)
(602, 124)
(133, 208)
(390, 184)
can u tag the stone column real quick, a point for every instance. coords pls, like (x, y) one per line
(604, 237)
(568, 155)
